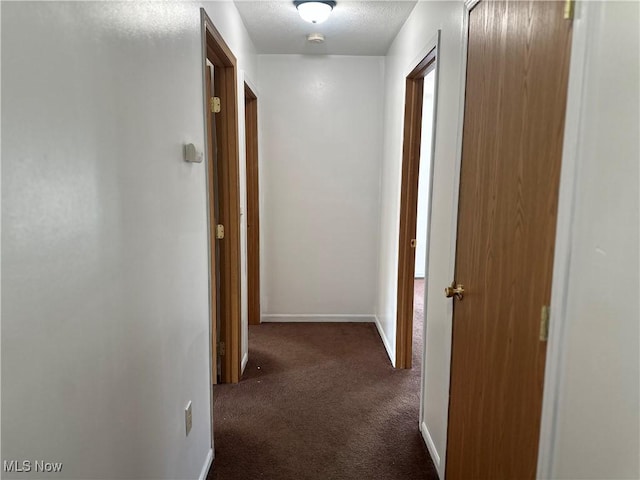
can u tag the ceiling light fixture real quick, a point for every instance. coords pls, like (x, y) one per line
(314, 11)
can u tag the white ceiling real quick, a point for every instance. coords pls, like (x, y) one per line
(353, 28)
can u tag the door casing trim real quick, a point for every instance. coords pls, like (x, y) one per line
(218, 52)
(584, 19)
(426, 61)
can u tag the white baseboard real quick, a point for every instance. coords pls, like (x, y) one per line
(245, 359)
(430, 446)
(322, 318)
(207, 465)
(391, 352)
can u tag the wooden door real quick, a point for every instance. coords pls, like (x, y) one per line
(517, 71)
(253, 205)
(224, 130)
(213, 221)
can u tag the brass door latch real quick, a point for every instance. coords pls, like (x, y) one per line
(455, 290)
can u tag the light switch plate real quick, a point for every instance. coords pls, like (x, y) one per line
(191, 153)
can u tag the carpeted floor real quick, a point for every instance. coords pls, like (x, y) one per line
(321, 401)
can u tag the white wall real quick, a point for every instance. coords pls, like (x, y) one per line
(105, 321)
(425, 175)
(597, 419)
(420, 28)
(320, 127)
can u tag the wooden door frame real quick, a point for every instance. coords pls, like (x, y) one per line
(215, 49)
(252, 210)
(412, 139)
(586, 16)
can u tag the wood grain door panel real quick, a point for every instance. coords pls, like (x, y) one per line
(253, 206)
(517, 71)
(213, 255)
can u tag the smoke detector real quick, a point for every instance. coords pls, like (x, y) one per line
(315, 38)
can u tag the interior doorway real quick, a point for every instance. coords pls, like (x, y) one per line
(221, 126)
(415, 197)
(424, 176)
(253, 205)
(422, 217)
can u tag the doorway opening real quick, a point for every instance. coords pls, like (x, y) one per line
(221, 120)
(415, 197)
(253, 205)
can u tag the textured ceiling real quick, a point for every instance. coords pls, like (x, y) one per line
(354, 27)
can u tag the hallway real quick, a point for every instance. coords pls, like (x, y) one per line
(155, 210)
(321, 401)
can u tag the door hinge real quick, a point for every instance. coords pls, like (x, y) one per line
(544, 323)
(569, 9)
(219, 232)
(221, 349)
(214, 103)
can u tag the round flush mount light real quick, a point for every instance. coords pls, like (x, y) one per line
(315, 38)
(314, 11)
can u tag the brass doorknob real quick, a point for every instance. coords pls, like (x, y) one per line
(455, 290)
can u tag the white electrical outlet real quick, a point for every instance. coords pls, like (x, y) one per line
(188, 417)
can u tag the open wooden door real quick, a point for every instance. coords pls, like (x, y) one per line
(253, 205)
(222, 124)
(213, 221)
(517, 72)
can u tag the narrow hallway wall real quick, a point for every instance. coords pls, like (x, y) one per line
(407, 49)
(598, 408)
(321, 128)
(105, 319)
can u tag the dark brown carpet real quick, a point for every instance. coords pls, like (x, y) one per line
(321, 401)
